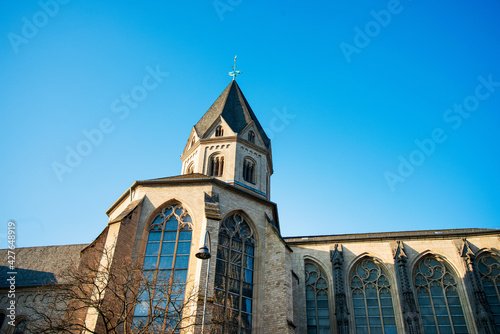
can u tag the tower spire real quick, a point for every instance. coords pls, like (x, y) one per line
(234, 73)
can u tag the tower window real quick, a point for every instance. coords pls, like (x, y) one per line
(219, 131)
(251, 137)
(192, 142)
(190, 169)
(216, 165)
(249, 170)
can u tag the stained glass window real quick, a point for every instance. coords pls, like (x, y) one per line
(438, 299)
(165, 267)
(234, 277)
(489, 269)
(372, 299)
(318, 313)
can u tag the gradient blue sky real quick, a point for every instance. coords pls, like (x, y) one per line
(353, 120)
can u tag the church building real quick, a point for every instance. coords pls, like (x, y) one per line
(258, 281)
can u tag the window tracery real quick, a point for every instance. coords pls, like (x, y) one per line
(165, 268)
(234, 277)
(372, 298)
(437, 295)
(318, 314)
(489, 271)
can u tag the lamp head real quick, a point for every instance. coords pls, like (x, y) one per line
(203, 253)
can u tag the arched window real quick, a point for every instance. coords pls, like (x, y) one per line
(489, 270)
(219, 131)
(251, 136)
(190, 168)
(372, 298)
(318, 314)
(192, 142)
(438, 298)
(216, 165)
(164, 271)
(249, 170)
(234, 277)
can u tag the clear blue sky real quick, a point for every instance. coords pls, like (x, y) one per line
(363, 80)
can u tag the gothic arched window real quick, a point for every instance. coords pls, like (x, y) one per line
(251, 136)
(249, 170)
(489, 270)
(318, 314)
(234, 277)
(164, 270)
(438, 299)
(216, 165)
(372, 298)
(219, 131)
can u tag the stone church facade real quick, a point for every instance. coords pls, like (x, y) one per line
(441, 281)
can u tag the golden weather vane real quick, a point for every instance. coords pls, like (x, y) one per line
(234, 73)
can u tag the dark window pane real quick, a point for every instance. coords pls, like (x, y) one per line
(150, 262)
(249, 249)
(248, 276)
(154, 236)
(185, 235)
(169, 236)
(166, 262)
(172, 224)
(152, 248)
(183, 248)
(222, 253)
(168, 248)
(182, 262)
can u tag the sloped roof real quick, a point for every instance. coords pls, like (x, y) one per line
(131, 207)
(234, 108)
(37, 266)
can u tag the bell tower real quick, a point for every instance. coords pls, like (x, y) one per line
(229, 143)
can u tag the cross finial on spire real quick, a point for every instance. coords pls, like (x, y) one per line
(234, 73)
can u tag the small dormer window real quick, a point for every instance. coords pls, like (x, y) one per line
(251, 137)
(249, 170)
(219, 131)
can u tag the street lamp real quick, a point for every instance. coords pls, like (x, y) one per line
(204, 254)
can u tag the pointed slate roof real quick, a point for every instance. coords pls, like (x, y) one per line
(234, 108)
